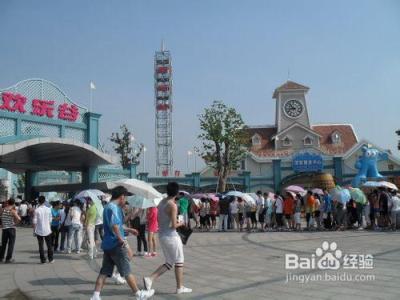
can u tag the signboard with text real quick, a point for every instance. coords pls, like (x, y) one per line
(307, 162)
(15, 102)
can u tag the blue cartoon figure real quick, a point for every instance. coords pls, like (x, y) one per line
(367, 164)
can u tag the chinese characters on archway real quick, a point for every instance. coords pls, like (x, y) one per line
(42, 108)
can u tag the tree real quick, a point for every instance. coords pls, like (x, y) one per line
(128, 151)
(3, 191)
(19, 184)
(398, 144)
(225, 140)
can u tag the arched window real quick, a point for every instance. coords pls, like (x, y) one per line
(256, 140)
(243, 165)
(336, 138)
(308, 140)
(286, 141)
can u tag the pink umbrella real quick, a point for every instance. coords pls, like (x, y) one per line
(295, 189)
(213, 197)
(318, 191)
(199, 196)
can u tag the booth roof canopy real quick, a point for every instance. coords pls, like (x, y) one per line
(44, 154)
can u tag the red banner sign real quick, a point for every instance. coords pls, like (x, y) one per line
(42, 108)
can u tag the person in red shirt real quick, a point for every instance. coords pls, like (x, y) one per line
(152, 227)
(310, 208)
(213, 213)
(288, 210)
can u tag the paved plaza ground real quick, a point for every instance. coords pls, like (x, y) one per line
(218, 266)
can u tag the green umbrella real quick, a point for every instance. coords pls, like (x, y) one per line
(358, 195)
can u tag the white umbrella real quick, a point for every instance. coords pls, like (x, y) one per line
(136, 187)
(388, 185)
(234, 193)
(107, 198)
(140, 202)
(375, 184)
(371, 184)
(248, 199)
(196, 202)
(90, 193)
(254, 196)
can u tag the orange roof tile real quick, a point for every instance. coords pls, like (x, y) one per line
(347, 136)
(267, 149)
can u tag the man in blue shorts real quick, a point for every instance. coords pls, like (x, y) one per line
(116, 248)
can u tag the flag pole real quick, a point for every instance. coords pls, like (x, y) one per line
(91, 97)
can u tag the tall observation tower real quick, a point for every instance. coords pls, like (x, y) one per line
(163, 105)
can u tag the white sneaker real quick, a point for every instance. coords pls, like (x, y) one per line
(95, 298)
(183, 290)
(118, 279)
(143, 295)
(147, 283)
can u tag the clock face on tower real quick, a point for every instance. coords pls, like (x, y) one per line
(293, 108)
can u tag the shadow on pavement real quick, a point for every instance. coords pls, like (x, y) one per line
(118, 292)
(60, 281)
(15, 295)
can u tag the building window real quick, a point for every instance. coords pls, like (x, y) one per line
(243, 165)
(336, 138)
(308, 141)
(256, 140)
(286, 141)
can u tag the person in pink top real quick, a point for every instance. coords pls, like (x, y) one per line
(152, 224)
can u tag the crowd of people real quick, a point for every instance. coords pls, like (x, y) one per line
(69, 226)
(293, 212)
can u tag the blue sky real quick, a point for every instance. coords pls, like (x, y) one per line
(347, 52)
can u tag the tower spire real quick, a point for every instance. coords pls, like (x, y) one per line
(163, 107)
(162, 45)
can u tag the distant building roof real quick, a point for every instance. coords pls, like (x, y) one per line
(266, 142)
(328, 146)
(348, 137)
(290, 86)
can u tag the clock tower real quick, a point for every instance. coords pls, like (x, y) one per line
(291, 105)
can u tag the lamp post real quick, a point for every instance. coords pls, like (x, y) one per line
(144, 158)
(189, 154)
(196, 152)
